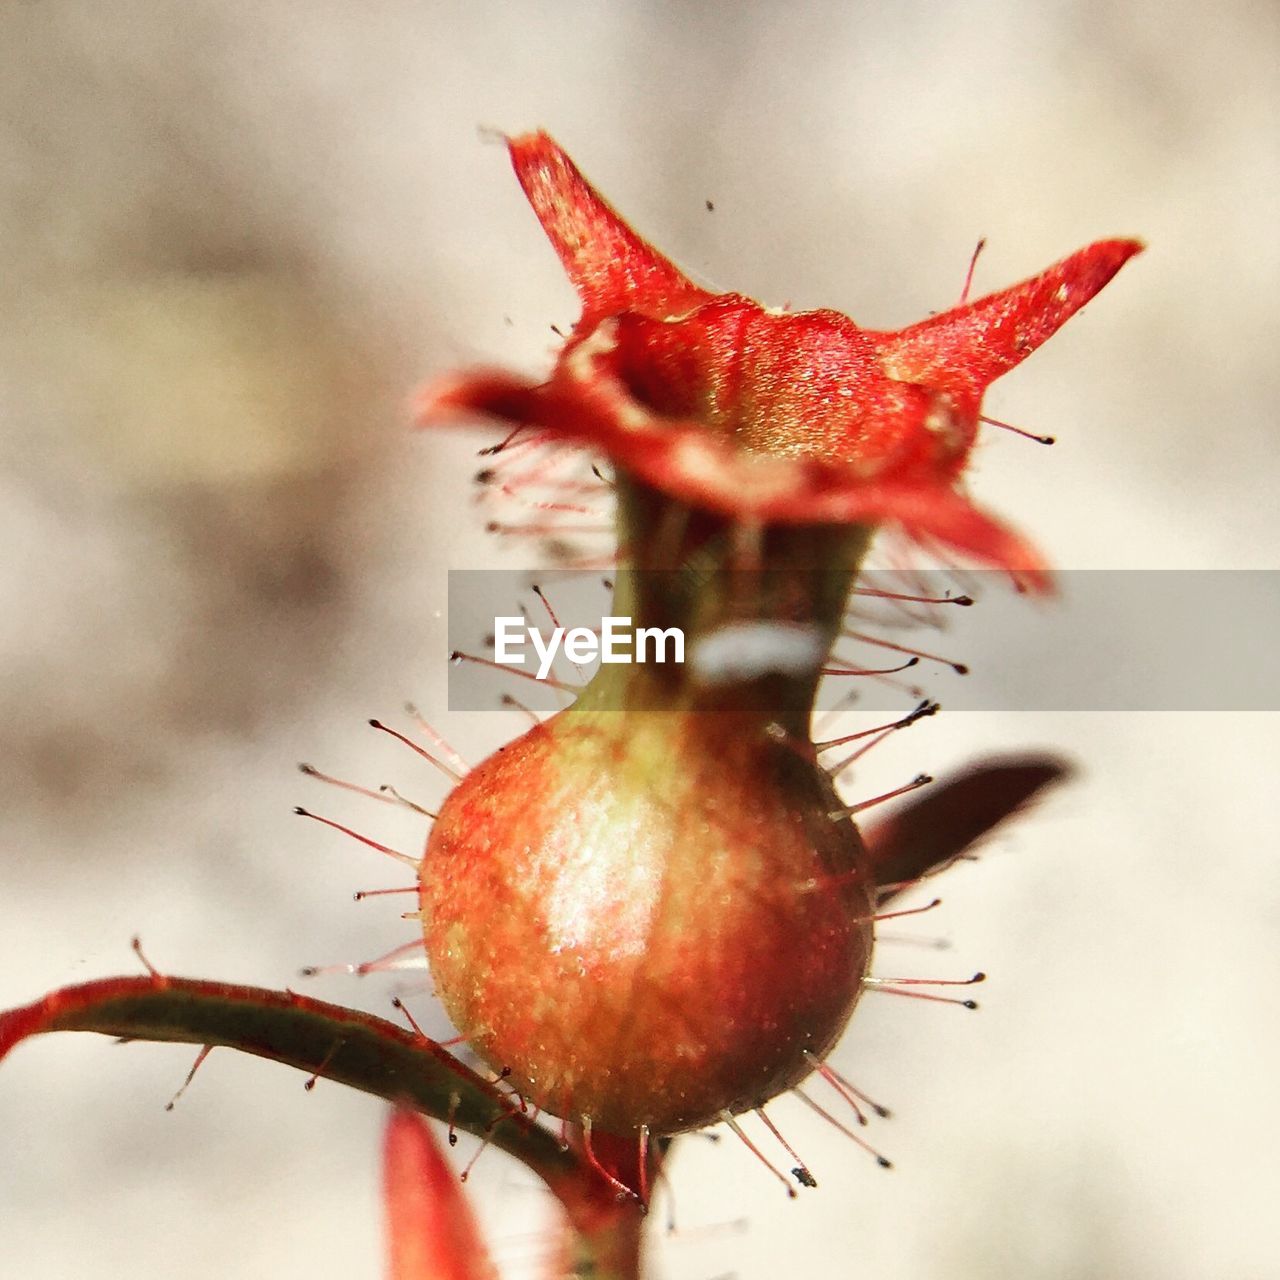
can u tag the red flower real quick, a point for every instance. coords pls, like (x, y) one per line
(765, 415)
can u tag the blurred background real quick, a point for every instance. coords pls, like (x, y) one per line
(234, 237)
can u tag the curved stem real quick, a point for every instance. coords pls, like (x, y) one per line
(707, 576)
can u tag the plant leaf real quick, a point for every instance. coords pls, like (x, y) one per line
(927, 834)
(431, 1231)
(344, 1045)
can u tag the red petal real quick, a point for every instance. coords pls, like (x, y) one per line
(612, 269)
(431, 1232)
(683, 459)
(961, 352)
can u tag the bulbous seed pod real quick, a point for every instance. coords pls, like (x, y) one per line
(647, 918)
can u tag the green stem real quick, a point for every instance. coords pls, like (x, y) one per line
(700, 573)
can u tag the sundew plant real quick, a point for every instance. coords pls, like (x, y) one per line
(655, 911)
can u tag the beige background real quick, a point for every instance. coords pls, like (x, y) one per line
(234, 238)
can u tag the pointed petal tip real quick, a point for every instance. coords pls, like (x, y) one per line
(611, 267)
(531, 148)
(480, 393)
(1094, 266)
(445, 396)
(964, 350)
(530, 140)
(1121, 248)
